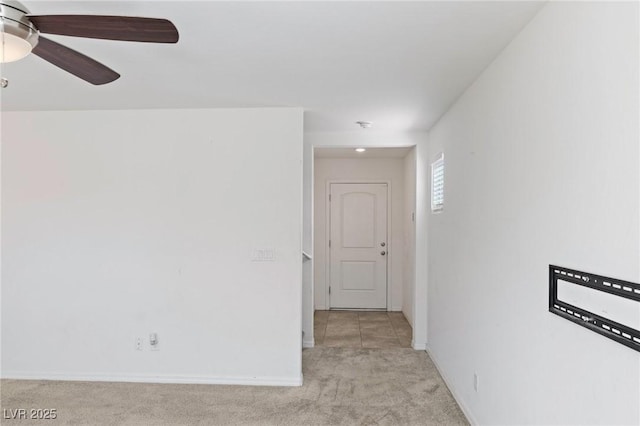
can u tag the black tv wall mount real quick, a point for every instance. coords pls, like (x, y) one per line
(607, 327)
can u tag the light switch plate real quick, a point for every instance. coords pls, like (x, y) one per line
(263, 255)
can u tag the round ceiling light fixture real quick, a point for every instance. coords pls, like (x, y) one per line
(364, 124)
(360, 150)
(18, 35)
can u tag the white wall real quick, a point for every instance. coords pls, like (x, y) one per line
(370, 138)
(541, 167)
(121, 223)
(409, 225)
(355, 170)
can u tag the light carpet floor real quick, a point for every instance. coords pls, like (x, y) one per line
(342, 386)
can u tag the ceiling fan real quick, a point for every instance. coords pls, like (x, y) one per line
(20, 32)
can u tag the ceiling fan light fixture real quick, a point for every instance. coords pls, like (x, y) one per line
(14, 48)
(18, 35)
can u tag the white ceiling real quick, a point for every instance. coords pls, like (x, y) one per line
(398, 64)
(369, 153)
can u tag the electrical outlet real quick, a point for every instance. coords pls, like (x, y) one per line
(138, 343)
(476, 381)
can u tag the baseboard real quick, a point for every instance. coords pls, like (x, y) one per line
(461, 404)
(308, 343)
(396, 309)
(418, 346)
(178, 379)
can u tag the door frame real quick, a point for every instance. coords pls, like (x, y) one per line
(327, 234)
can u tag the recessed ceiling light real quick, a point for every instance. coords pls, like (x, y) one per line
(364, 124)
(360, 150)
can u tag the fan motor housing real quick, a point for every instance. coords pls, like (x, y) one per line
(19, 35)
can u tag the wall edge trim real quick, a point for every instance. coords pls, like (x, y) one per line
(150, 378)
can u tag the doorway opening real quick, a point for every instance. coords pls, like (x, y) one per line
(364, 246)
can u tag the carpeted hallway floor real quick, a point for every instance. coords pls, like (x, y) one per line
(342, 386)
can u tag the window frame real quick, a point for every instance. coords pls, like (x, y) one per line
(437, 167)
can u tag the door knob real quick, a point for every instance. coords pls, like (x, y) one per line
(383, 244)
(383, 252)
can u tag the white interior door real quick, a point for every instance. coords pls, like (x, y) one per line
(358, 246)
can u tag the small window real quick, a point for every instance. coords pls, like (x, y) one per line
(437, 184)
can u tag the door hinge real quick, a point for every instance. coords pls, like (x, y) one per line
(329, 243)
(329, 289)
(329, 197)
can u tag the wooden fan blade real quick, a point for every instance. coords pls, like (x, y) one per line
(74, 62)
(123, 28)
